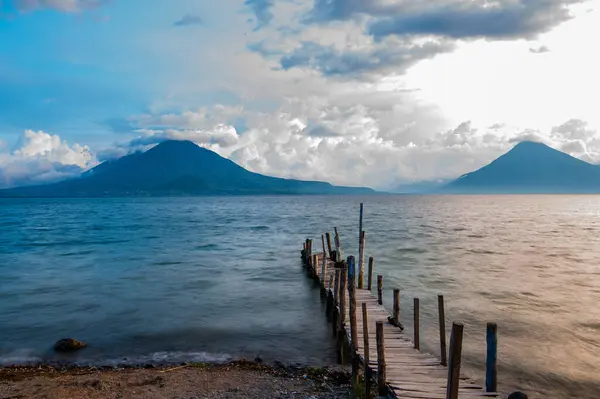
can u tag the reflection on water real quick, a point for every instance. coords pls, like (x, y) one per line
(209, 278)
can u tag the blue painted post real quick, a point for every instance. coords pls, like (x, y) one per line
(491, 370)
(351, 267)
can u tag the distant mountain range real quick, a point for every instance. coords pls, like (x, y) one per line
(175, 168)
(530, 168)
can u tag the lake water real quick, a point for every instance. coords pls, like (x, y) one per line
(182, 279)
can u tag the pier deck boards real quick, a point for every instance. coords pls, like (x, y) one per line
(409, 372)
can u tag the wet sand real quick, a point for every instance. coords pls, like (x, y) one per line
(233, 380)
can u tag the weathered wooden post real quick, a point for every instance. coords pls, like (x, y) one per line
(491, 370)
(336, 287)
(338, 245)
(456, 338)
(323, 265)
(315, 267)
(397, 306)
(360, 224)
(341, 332)
(342, 294)
(352, 302)
(352, 316)
(309, 255)
(417, 337)
(381, 378)
(442, 322)
(328, 243)
(370, 277)
(380, 289)
(361, 262)
(365, 321)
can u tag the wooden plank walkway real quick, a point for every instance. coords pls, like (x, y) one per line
(409, 372)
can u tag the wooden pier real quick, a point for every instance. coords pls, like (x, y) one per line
(372, 339)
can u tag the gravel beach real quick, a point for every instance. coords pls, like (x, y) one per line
(233, 380)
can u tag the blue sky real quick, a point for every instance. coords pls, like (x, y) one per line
(400, 91)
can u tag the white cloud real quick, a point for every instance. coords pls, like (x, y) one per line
(60, 5)
(40, 157)
(353, 144)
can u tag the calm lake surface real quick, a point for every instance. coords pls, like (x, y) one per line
(180, 279)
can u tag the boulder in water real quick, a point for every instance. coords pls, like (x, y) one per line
(517, 395)
(68, 345)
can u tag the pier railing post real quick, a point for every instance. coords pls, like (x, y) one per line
(380, 289)
(360, 230)
(381, 378)
(352, 316)
(491, 370)
(442, 323)
(456, 338)
(328, 243)
(342, 294)
(397, 306)
(338, 245)
(341, 332)
(361, 262)
(417, 336)
(370, 276)
(365, 322)
(352, 302)
(323, 265)
(336, 287)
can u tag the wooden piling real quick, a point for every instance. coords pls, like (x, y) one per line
(360, 224)
(315, 267)
(491, 369)
(336, 287)
(365, 321)
(361, 261)
(380, 289)
(323, 265)
(417, 337)
(342, 294)
(370, 276)
(352, 303)
(456, 338)
(381, 378)
(328, 243)
(442, 323)
(338, 245)
(352, 316)
(396, 314)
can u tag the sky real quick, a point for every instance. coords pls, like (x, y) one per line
(379, 93)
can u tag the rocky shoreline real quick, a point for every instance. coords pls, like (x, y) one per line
(238, 379)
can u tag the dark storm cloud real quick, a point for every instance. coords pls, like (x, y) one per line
(461, 19)
(332, 62)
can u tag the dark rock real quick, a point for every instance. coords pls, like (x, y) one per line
(517, 395)
(258, 360)
(393, 322)
(68, 345)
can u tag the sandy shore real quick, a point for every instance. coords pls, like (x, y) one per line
(234, 380)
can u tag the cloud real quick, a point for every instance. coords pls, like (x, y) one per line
(60, 5)
(374, 142)
(505, 19)
(539, 50)
(261, 10)
(329, 61)
(189, 19)
(40, 157)
(459, 19)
